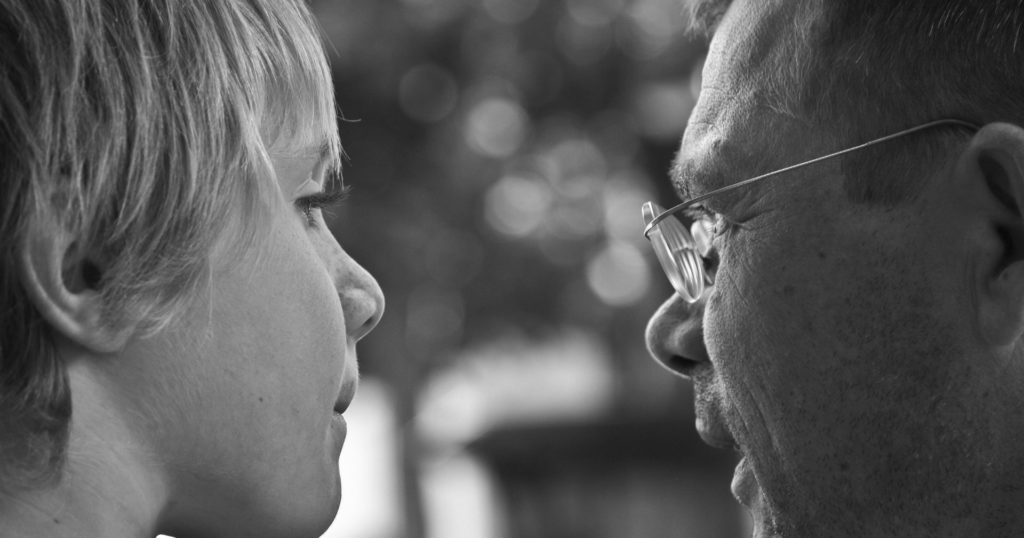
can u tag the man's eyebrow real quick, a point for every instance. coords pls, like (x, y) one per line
(695, 173)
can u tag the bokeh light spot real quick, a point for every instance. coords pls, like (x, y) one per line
(496, 127)
(618, 274)
(623, 197)
(594, 12)
(510, 11)
(517, 205)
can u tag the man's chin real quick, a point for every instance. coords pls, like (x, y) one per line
(762, 527)
(759, 524)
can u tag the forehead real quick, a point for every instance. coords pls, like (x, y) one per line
(742, 124)
(295, 166)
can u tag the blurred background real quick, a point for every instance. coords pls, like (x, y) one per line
(499, 152)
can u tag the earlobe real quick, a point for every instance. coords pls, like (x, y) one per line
(1002, 317)
(994, 165)
(62, 284)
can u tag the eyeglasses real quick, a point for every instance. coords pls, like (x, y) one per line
(683, 253)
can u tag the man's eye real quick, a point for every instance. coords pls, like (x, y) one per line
(311, 205)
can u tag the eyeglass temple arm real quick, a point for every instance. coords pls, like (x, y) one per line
(665, 214)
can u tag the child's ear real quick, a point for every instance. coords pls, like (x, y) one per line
(63, 282)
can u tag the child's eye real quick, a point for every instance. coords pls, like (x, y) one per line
(311, 205)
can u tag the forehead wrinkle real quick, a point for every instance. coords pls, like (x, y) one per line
(737, 126)
(734, 136)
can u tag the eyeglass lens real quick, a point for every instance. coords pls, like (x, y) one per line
(677, 252)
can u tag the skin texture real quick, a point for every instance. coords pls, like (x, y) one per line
(864, 359)
(273, 349)
(221, 424)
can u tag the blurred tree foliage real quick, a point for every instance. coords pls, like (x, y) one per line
(499, 151)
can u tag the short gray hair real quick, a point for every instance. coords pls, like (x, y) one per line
(889, 65)
(138, 126)
(864, 69)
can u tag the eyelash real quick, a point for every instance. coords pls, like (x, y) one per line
(320, 200)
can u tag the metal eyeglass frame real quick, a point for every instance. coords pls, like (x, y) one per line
(681, 252)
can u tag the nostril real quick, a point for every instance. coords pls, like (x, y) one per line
(370, 323)
(710, 264)
(362, 314)
(681, 365)
(675, 337)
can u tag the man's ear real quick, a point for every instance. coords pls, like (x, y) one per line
(63, 283)
(993, 164)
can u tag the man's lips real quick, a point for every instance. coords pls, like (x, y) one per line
(744, 484)
(714, 433)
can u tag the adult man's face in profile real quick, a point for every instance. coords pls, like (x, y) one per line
(843, 348)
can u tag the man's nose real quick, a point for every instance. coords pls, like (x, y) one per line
(675, 336)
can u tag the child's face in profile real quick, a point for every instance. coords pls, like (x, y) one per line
(246, 386)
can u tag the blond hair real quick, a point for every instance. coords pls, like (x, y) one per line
(138, 126)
